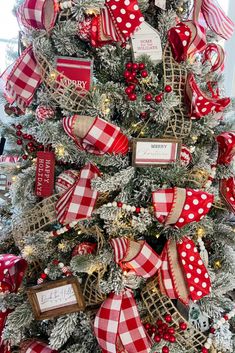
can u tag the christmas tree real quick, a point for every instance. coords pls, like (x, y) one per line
(117, 180)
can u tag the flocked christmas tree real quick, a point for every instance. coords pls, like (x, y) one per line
(117, 226)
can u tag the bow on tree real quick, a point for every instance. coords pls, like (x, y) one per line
(95, 135)
(182, 275)
(226, 152)
(35, 346)
(116, 22)
(118, 327)
(77, 198)
(24, 77)
(12, 269)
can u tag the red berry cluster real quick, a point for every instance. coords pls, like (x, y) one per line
(27, 141)
(158, 99)
(164, 331)
(132, 73)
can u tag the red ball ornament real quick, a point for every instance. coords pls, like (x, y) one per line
(19, 142)
(148, 97)
(168, 318)
(153, 329)
(25, 157)
(165, 349)
(226, 317)
(40, 147)
(141, 66)
(172, 339)
(119, 204)
(135, 66)
(143, 115)
(30, 144)
(158, 99)
(25, 136)
(132, 87)
(147, 326)
(19, 126)
(204, 350)
(166, 336)
(168, 89)
(130, 78)
(159, 322)
(183, 326)
(144, 73)
(29, 137)
(55, 262)
(127, 74)
(129, 65)
(157, 338)
(128, 90)
(171, 330)
(137, 209)
(134, 74)
(18, 133)
(212, 330)
(32, 149)
(132, 97)
(43, 276)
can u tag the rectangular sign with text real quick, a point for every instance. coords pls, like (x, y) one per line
(155, 152)
(45, 170)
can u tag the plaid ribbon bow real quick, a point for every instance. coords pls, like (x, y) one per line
(117, 325)
(79, 200)
(24, 77)
(35, 346)
(100, 136)
(226, 152)
(12, 269)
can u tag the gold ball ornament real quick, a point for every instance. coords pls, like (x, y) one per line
(217, 265)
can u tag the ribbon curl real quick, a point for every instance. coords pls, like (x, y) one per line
(117, 325)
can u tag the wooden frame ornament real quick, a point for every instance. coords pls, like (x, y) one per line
(56, 298)
(158, 152)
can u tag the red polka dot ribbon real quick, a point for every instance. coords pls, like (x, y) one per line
(183, 274)
(178, 207)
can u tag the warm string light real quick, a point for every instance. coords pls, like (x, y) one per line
(60, 150)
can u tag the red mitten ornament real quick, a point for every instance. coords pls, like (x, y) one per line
(178, 207)
(95, 135)
(44, 112)
(78, 200)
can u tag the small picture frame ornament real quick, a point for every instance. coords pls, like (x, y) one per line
(56, 298)
(155, 152)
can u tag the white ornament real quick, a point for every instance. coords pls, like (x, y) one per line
(146, 41)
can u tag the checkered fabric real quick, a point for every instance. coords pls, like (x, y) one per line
(165, 279)
(118, 317)
(37, 14)
(23, 79)
(162, 203)
(78, 201)
(102, 137)
(216, 19)
(34, 346)
(12, 269)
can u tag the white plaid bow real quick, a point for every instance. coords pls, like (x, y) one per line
(117, 322)
(79, 200)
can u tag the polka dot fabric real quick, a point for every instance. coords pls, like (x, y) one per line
(227, 192)
(126, 16)
(179, 38)
(226, 150)
(195, 272)
(197, 204)
(201, 105)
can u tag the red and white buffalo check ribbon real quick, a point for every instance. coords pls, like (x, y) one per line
(35, 346)
(117, 323)
(79, 200)
(12, 269)
(24, 78)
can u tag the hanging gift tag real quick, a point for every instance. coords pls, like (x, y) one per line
(161, 4)
(75, 71)
(45, 174)
(146, 41)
